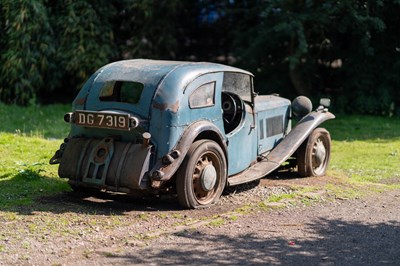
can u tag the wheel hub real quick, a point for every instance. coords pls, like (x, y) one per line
(320, 153)
(208, 178)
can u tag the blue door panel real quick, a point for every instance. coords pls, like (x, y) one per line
(242, 144)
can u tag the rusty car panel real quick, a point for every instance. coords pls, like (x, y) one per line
(105, 163)
(191, 128)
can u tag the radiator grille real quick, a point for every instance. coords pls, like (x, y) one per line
(274, 126)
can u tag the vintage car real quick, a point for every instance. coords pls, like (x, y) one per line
(192, 128)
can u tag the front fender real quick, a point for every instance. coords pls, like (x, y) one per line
(166, 167)
(297, 136)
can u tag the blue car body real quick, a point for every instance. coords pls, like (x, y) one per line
(134, 121)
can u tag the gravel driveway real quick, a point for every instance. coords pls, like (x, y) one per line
(350, 232)
(364, 231)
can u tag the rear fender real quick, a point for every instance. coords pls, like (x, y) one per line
(166, 166)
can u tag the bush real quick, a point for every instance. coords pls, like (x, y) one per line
(27, 48)
(346, 50)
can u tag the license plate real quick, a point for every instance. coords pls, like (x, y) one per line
(102, 120)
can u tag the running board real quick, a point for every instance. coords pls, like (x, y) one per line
(257, 171)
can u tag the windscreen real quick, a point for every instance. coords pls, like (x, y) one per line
(239, 84)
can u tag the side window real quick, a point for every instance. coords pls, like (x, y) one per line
(203, 96)
(121, 91)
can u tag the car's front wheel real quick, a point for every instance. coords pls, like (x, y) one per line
(314, 154)
(201, 178)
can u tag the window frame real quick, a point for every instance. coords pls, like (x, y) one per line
(197, 90)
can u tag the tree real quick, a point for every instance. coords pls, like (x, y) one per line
(49, 48)
(151, 29)
(325, 49)
(347, 50)
(26, 49)
(84, 41)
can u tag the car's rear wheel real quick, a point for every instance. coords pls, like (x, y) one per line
(201, 177)
(314, 154)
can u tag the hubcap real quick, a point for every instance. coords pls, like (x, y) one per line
(208, 178)
(319, 153)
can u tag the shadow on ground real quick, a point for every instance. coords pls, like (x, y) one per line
(104, 203)
(96, 202)
(332, 242)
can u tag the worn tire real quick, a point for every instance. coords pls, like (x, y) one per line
(201, 178)
(314, 154)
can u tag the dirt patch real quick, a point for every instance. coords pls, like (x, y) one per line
(390, 181)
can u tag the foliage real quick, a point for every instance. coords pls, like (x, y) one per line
(84, 39)
(25, 51)
(49, 47)
(150, 29)
(346, 50)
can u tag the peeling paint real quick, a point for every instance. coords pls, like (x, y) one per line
(80, 101)
(173, 108)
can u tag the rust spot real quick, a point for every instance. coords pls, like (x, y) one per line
(159, 106)
(156, 184)
(174, 107)
(80, 101)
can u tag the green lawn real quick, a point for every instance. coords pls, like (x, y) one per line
(37, 121)
(28, 139)
(365, 150)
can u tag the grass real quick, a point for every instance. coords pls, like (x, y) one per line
(365, 150)
(25, 172)
(219, 221)
(364, 128)
(29, 136)
(34, 121)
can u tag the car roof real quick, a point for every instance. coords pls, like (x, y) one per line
(164, 81)
(160, 68)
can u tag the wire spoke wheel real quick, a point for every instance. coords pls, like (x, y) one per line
(202, 176)
(314, 154)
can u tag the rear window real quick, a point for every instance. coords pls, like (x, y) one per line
(121, 91)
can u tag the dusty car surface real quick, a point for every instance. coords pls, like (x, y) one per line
(188, 127)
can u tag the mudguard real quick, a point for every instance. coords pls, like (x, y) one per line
(166, 166)
(286, 148)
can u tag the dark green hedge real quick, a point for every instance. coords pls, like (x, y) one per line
(346, 50)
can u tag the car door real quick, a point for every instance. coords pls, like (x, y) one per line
(238, 121)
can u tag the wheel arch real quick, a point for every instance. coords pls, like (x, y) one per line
(214, 136)
(165, 167)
